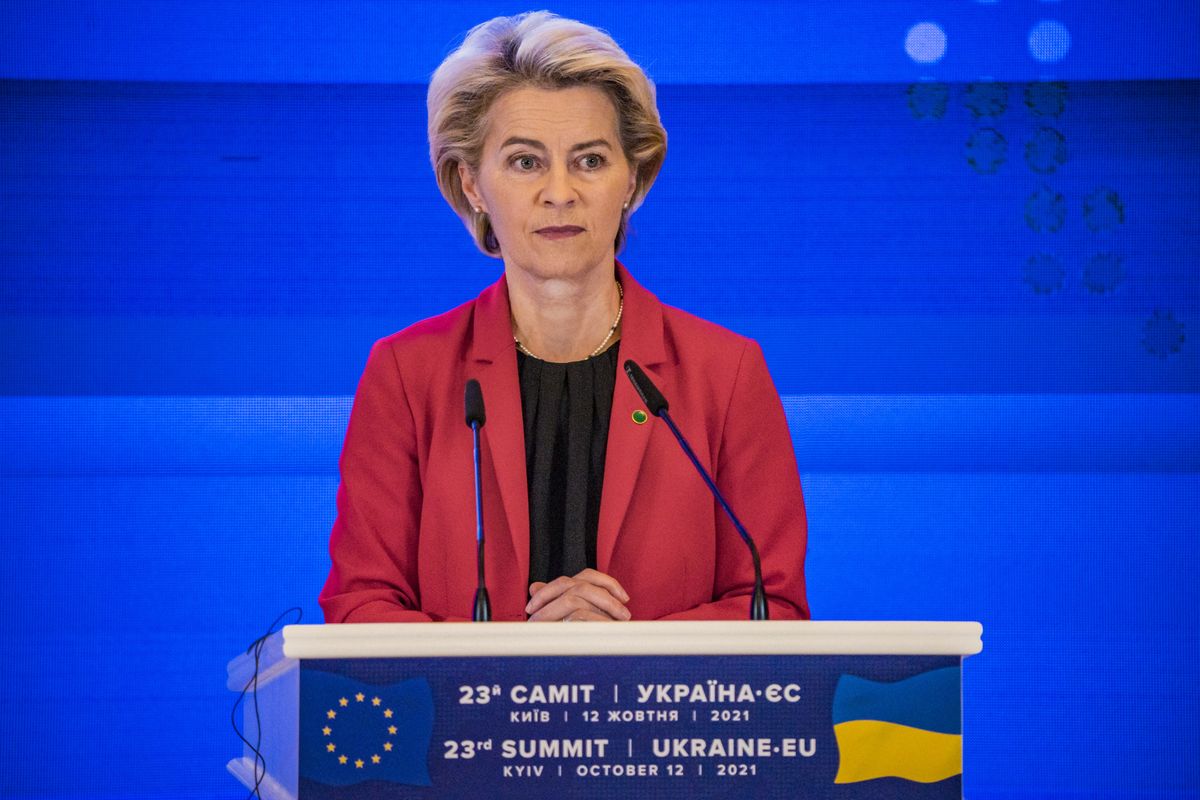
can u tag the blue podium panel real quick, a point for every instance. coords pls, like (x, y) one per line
(694, 726)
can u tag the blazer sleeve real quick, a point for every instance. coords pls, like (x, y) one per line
(373, 546)
(756, 472)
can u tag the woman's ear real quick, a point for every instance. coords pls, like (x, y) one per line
(467, 178)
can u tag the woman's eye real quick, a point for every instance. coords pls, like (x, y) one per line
(592, 161)
(525, 163)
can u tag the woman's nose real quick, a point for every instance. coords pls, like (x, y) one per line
(558, 189)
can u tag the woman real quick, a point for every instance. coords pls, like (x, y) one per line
(544, 137)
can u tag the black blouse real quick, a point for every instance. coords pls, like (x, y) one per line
(565, 408)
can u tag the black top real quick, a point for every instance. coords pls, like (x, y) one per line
(565, 408)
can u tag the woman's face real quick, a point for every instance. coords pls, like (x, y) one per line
(553, 179)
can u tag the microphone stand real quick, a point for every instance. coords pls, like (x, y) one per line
(657, 405)
(482, 611)
(475, 417)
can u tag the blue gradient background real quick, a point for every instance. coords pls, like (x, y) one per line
(208, 211)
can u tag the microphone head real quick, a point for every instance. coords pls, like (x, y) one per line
(474, 404)
(656, 404)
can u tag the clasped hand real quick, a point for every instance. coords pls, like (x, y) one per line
(589, 595)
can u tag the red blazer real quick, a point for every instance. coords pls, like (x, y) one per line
(403, 545)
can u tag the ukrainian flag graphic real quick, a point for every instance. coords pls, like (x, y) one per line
(909, 729)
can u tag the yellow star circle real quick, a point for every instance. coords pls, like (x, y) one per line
(359, 763)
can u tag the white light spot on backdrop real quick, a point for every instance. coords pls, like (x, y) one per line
(925, 42)
(1049, 40)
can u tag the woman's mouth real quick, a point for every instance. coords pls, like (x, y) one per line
(559, 232)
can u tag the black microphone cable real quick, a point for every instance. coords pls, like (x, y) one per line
(256, 647)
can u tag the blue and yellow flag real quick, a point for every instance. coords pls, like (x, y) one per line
(909, 729)
(352, 732)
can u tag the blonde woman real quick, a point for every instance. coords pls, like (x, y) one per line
(544, 138)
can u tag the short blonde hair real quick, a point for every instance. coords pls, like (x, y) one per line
(546, 51)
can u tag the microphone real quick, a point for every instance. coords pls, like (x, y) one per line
(475, 416)
(656, 404)
(473, 402)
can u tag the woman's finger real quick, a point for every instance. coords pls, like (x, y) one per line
(547, 593)
(587, 615)
(597, 578)
(569, 613)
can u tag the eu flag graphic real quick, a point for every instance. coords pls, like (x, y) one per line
(909, 729)
(352, 732)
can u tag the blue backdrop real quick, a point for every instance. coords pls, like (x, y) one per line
(965, 233)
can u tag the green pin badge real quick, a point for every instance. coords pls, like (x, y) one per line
(640, 417)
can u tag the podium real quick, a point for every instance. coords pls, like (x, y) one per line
(607, 710)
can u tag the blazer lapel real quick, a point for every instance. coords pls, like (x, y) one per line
(495, 359)
(495, 356)
(641, 341)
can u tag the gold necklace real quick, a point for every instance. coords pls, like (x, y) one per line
(598, 350)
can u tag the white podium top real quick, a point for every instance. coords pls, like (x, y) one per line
(398, 640)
